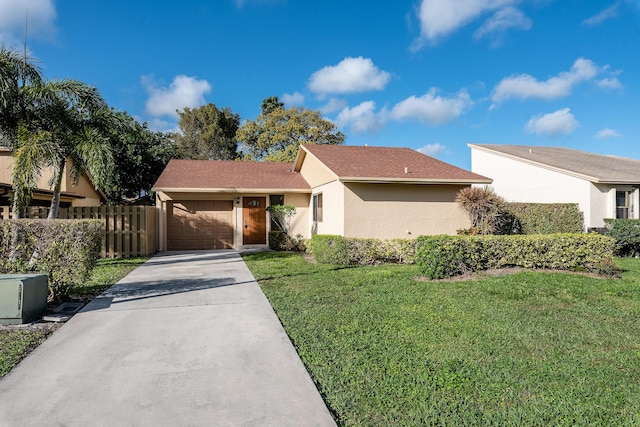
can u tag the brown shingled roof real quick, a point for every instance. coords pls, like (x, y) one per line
(389, 164)
(229, 174)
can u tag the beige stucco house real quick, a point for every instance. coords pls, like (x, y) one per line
(82, 194)
(603, 186)
(376, 192)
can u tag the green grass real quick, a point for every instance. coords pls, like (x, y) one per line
(531, 348)
(105, 274)
(17, 342)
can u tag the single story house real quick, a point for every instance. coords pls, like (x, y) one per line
(376, 192)
(82, 194)
(603, 186)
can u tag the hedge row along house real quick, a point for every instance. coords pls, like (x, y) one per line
(85, 193)
(602, 186)
(373, 192)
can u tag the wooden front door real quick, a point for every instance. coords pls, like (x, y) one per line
(254, 220)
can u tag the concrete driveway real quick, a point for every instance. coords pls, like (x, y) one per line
(187, 339)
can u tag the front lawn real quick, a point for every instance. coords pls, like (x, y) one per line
(531, 348)
(16, 342)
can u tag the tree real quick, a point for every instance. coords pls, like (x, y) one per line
(140, 155)
(16, 73)
(69, 121)
(271, 103)
(207, 133)
(277, 133)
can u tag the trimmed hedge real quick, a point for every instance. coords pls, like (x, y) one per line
(547, 218)
(445, 256)
(626, 232)
(65, 250)
(331, 249)
(277, 240)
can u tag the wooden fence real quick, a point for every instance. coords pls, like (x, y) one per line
(129, 231)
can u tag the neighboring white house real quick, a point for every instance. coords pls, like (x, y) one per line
(603, 186)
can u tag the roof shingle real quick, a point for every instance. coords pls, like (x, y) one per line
(203, 174)
(388, 163)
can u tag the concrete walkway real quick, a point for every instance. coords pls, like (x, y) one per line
(187, 339)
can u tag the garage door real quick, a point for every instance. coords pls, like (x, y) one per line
(200, 224)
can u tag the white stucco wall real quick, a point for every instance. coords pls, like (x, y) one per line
(518, 181)
(332, 206)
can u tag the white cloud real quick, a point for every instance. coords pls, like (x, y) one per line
(295, 98)
(608, 13)
(41, 18)
(610, 83)
(433, 150)
(183, 92)
(607, 133)
(349, 76)
(503, 20)
(552, 124)
(361, 118)
(525, 86)
(333, 105)
(431, 108)
(440, 18)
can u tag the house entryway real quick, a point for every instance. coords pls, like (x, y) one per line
(254, 221)
(200, 224)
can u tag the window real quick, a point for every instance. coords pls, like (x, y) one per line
(317, 207)
(623, 204)
(275, 200)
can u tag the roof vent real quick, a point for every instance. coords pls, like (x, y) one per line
(406, 169)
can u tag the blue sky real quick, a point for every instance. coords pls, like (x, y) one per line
(433, 75)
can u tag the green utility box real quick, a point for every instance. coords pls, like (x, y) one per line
(23, 297)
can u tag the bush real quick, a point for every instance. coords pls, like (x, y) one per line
(329, 249)
(445, 256)
(277, 240)
(626, 233)
(65, 250)
(351, 250)
(547, 218)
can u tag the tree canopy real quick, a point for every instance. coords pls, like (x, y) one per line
(207, 133)
(140, 155)
(68, 120)
(276, 134)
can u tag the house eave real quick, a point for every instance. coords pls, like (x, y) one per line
(230, 190)
(423, 181)
(574, 174)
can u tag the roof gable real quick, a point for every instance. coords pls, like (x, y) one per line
(229, 174)
(596, 168)
(386, 164)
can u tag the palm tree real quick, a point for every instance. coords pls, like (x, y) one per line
(17, 73)
(69, 123)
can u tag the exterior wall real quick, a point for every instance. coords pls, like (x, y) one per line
(333, 209)
(299, 223)
(84, 188)
(315, 172)
(387, 211)
(521, 182)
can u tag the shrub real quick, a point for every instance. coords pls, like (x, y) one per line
(445, 256)
(277, 240)
(547, 218)
(487, 212)
(65, 250)
(328, 249)
(626, 233)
